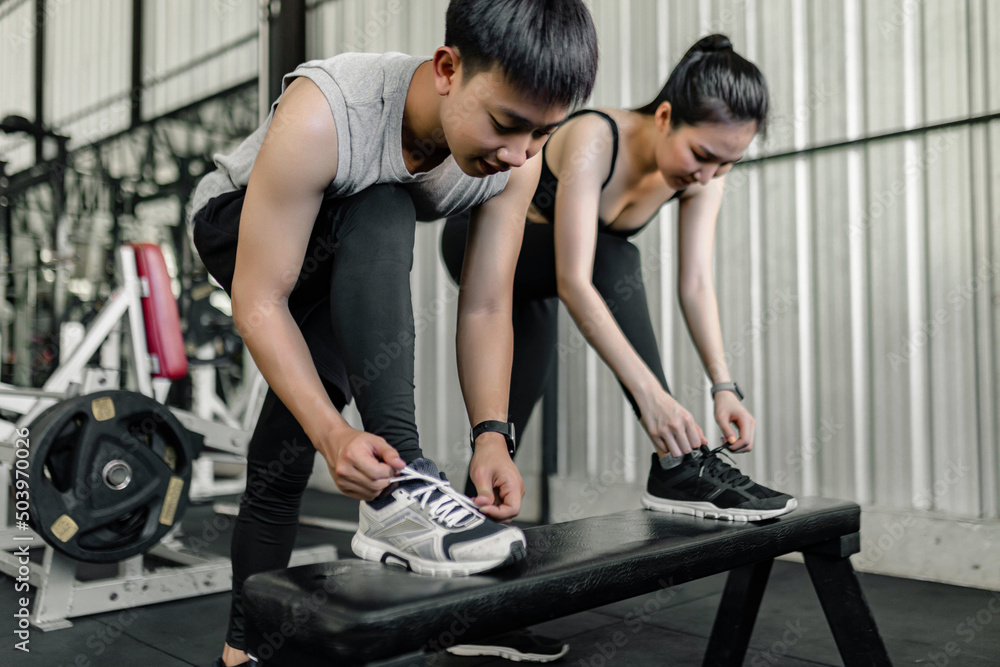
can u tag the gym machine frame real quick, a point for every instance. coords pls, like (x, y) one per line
(60, 595)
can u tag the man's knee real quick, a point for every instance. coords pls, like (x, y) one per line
(380, 217)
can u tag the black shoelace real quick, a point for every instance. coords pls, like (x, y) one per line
(724, 472)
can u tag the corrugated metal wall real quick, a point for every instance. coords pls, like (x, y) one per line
(17, 32)
(191, 49)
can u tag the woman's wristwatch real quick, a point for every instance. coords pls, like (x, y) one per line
(727, 386)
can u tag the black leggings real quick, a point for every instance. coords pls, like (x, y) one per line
(352, 303)
(617, 277)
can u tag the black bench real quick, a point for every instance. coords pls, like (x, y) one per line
(362, 613)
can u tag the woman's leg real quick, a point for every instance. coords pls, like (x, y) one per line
(618, 278)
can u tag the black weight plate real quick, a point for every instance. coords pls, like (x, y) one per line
(109, 474)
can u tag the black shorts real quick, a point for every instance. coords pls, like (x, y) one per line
(216, 230)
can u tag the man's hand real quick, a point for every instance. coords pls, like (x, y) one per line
(498, 482)
(362, 464)
(729, 411)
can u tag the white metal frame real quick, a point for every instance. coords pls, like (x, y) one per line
(60, 595)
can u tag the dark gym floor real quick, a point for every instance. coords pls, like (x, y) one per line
(921, 623)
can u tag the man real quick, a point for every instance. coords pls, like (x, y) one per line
(309, 226)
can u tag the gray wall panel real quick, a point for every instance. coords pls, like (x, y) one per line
(180, 34)
(990, 27)
(831, 443)
(893, 418)
(989, 326)
(953, 281)
(982, 311)
(88, 52)
(776, 59)
(17, 30)
(780, 425)
(946, 59)
(824, 105)
(884, 23)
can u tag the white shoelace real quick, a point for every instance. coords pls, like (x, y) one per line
(450, 509)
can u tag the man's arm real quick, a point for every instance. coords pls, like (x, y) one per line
(485, 337)
(296, 163)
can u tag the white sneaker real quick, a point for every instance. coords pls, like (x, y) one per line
(430, 528)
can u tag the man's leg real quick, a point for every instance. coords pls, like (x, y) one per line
(372, 311)
(279, 463)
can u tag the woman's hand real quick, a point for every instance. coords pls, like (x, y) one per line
(729, 411)
(670, 426)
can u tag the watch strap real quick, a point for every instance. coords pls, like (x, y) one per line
(727, 386)
(506, 429)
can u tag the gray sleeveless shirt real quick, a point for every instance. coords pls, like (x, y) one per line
(366, 92)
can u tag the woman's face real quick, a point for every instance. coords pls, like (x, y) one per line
(689, 154)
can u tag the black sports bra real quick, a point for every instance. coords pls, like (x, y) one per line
(544, 198)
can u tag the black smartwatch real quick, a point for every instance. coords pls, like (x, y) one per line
(506, 429)
(727, 386)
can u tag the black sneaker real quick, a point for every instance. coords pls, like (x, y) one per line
(520, 646)
(706, 486)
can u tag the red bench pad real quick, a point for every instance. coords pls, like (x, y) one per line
(159, 309)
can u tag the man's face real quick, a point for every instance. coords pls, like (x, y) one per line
(490, 126)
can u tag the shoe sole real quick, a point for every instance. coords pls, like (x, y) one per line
(505, 652)
(704, 510)
(374, 550)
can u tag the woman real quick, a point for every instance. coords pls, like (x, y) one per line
(605, 175)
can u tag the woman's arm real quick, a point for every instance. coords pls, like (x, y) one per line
(699, 211)
(296, 163)
(670, 426)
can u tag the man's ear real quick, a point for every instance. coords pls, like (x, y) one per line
(662, 115)
(447, 66)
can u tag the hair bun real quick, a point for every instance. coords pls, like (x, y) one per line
(714, 43)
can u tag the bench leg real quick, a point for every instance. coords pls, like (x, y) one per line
(846, 610)
(737, 614)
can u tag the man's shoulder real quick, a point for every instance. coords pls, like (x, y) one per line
(359, 74)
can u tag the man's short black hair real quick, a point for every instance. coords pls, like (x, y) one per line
(546, 48)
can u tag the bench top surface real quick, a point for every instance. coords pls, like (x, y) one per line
(569, 567)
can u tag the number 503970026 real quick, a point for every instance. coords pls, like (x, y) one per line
(21, 492)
